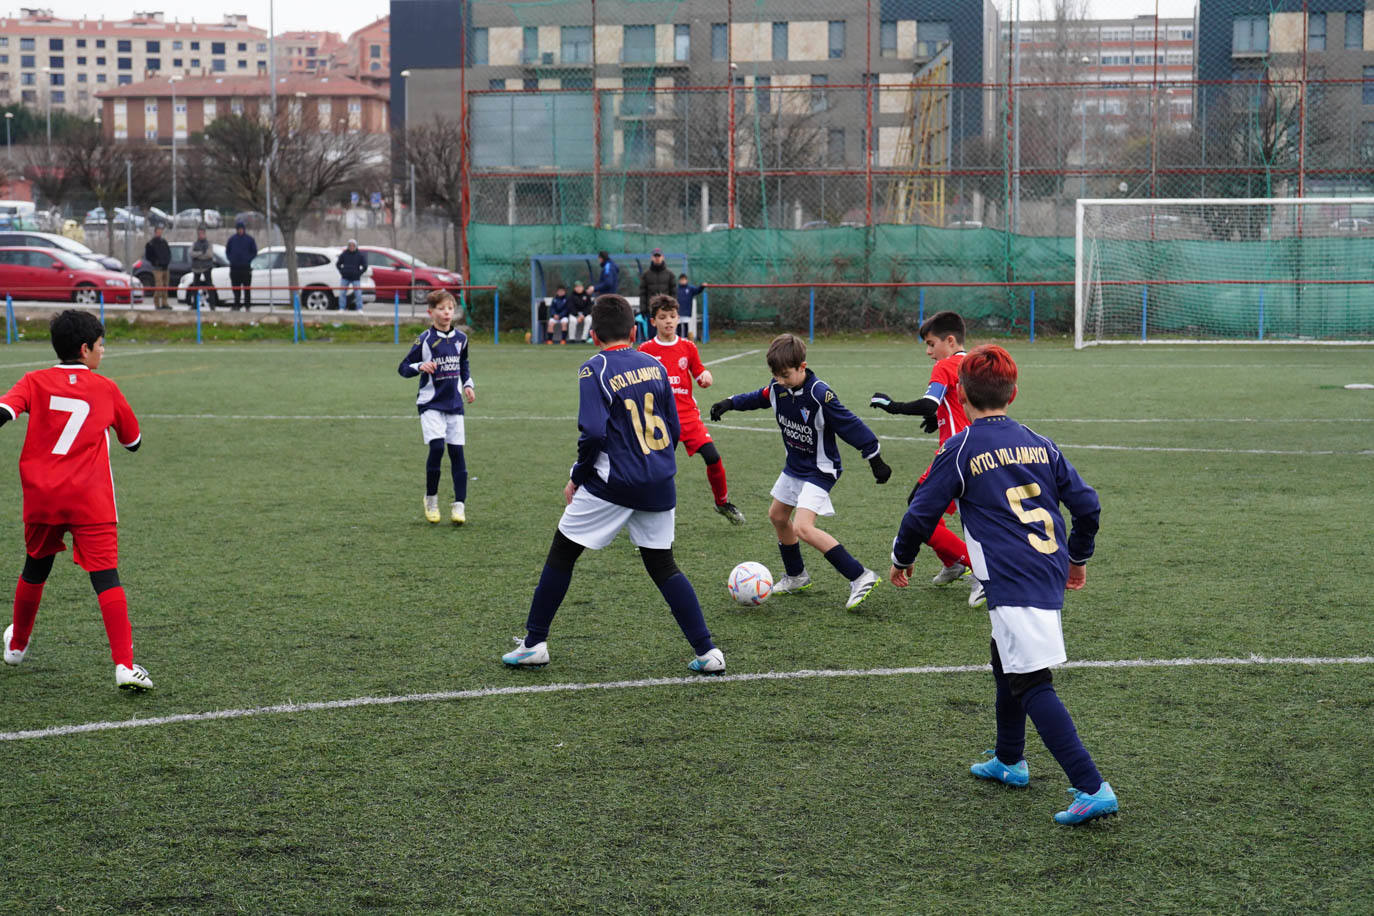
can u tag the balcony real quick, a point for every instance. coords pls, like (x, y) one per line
(649, 59)
(574, 58)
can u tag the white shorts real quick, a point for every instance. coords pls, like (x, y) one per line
(593, 522)
(1028, 638)
(801, 494)
(435, 424)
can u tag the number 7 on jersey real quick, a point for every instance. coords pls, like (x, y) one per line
(79, 411)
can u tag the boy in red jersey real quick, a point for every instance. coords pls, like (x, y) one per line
(941, 410)
(679, 356)
(68, 485)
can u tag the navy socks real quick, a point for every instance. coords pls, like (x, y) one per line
(845, 564)
(792, 558)
(682, 601)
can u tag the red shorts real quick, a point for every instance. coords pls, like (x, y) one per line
(953, 506)
(94, 547)
(692, 433)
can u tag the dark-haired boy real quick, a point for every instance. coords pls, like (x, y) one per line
(68, 484)
(623, 477)
(943, 334)
(809, 416)
(680, 357)
(1009, 482)
(558, 315)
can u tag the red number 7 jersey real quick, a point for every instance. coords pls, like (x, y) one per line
(65, 464)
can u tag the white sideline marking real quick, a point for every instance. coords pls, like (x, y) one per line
(109, 354)
(726, 359)
(58, 731)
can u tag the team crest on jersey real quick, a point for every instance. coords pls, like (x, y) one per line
(586, 372)
(682, 363)
(806, 415)
(71, 378)
(829, 396)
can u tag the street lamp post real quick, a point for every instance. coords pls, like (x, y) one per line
(172, 82)
(9, 150)
(405, 130)
(1083, 133)
(300, 109)
(47, 79)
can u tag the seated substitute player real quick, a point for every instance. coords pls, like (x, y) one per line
(624, 476)
(809, 415)
(559, 307)
(943, 334)
(679, 356)
(1009, 482)
(440, 357)
(69, 486)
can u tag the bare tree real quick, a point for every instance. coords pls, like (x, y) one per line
(44, 167)
(436, 151)
(197, 179)
(306, 168)
(111, 172)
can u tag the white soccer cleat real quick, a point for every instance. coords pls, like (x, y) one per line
(860, 588)
(432, 509)
(457, 513)
(135, 678)
(792, 583)
(713, 662)
(13, 656)
(976, 596)
(522, 656)
(950, 574)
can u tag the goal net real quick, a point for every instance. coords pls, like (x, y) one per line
(1272, 270)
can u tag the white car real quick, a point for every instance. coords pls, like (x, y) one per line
(318, 278)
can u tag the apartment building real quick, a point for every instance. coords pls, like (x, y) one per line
(306, 52)
(366, 54)
(45, 60)
(153, 108)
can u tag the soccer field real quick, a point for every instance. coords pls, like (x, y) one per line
(374, 754)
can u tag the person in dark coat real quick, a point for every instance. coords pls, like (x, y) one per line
(157, 254)
(656, 281)
(352, 264)
(202, 262)
(241, 249)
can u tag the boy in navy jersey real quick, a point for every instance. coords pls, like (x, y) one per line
(809, 415)
(1009, 482)
(624, 476)
(440, 358)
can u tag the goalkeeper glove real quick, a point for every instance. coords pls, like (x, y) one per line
(719, 408)
(930, 424)
(881, 472)
(881, 401)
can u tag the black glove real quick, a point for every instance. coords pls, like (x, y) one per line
(881, 472)
(930, 424)
(881, 401)
(719, 407)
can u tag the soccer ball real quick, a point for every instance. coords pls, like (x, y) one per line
(750, 583)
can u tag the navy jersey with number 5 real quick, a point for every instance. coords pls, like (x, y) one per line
(627, 417)
(443, 390)
(810, 416)
(1009, 482)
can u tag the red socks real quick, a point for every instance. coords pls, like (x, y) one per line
(114, 608)
(715, 473)
(26, 599)
(948, 546)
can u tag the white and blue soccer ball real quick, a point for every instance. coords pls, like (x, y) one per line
(750, 583)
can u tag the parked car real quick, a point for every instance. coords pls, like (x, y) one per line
(195, 217)
(181, 263)
(252, 219)
(317, 275)
(51, 273)
(717, 227)
(1352, 224)
(123, 219)
(397, 273)
(815, 224)
(52, 240)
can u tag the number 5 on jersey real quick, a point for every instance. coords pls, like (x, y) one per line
(1046, 544)
(651, 431)
(79, 410)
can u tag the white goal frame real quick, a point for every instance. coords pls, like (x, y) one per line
(1083, 270)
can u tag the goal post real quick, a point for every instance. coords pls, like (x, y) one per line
(1224, 270)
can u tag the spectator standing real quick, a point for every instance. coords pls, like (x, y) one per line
(686, 292)
(656, 281)
(202, 262)
(580, 310)
(158, 254)
(241, 249)
(608, 281)
(352, 264)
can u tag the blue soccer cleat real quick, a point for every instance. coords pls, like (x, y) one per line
(1085, 807)
(1018, 775)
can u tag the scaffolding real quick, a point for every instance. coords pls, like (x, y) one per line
(923, 146)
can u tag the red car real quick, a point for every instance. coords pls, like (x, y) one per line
(51, 273)
(398, 273)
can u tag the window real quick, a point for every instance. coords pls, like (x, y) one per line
(931, 37)
(216, 47)
(154, 47)
(195, 46)
(836, 39)
(55, 79)
(26, 44)
(54, 44)
(176, 46)
(1316, 89)
(639, 97)
(81, 77)
(124, 63)
(56, 63)
(176, 63)
(123, 79)
(373, 51)
(4, 59)
(1250, 35)
(195, 63)
(576, 44)
(28, 79)
(100, 61)
(376, 66)
(27, 60)
(1367, 90)
(479, 48)
(243, 47)
(80, 43)
(242, 64)
(262, 47)
(154, 63)
(496, 84)
(1366, 150)
(834, 146)
(530, 54)
(124, 46)
(81, 61)
(4, 41)
(100, 77)
(1354, 30)
(639, 44)
(217, 65)
(59, 96)
(818, 95)
(1316, 31)
(887, 39)
(763, 94)
(720, 41)
(100, 43)
(682, 42)
(531, 82)
(779, 41)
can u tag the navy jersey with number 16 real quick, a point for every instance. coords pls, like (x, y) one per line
(627, 416)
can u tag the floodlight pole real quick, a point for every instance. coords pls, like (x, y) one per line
(172, 82)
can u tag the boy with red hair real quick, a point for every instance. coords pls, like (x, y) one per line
(1009, 482)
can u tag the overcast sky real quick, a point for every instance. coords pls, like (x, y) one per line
(345, 16)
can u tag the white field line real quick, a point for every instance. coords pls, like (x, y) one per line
(726, 359)
(109, 354)
(59, 731)
(522, 418)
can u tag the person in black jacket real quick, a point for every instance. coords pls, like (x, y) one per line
(202, 262)
(158, 254)
(658, 280)
(241, 249)
(352, 265)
